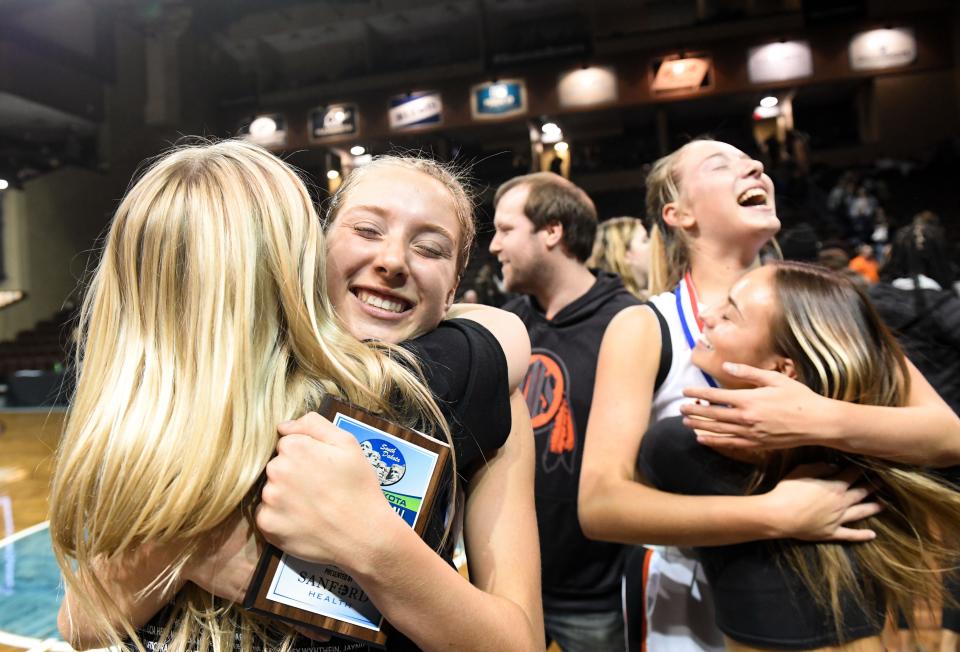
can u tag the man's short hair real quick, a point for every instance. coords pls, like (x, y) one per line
(553, 198)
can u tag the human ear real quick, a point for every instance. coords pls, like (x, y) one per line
(553, 234)
(676, 217)
(451, 295)
(787, 368)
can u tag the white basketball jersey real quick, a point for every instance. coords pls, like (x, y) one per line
(669, 396)
(678, 609)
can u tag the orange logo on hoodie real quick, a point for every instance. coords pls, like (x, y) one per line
(545, 389)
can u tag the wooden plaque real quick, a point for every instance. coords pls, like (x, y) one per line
(409, 466)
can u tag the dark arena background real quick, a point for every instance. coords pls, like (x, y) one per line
(853, 106)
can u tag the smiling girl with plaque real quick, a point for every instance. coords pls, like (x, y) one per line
(207, 323)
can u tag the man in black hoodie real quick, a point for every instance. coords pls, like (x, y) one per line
(545, 227)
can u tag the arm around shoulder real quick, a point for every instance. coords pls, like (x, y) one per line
(619, 414)
(434, 605)
(614, 505)
(780, 412)
(500, 528)
(508, 330)
(925, 431)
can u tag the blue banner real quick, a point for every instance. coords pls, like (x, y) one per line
(416, 110)
(498, 99)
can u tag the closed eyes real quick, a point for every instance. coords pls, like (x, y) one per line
(433, 251)
(366, 231)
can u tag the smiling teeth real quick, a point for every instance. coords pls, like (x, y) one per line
(751, 194)
(379, 302)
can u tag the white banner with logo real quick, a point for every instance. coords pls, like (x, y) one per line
(883, 48)
(779, 62)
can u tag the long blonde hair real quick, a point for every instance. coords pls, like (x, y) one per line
(205, 324)
(842, 350)
(610, 251)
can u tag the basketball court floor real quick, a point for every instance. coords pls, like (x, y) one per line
(30, 588)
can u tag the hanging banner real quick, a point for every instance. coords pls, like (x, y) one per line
(333, 120)
(500, 99)
(415, 111)
(677, 75)
(779, 62)
(883, 48)
(587, 86)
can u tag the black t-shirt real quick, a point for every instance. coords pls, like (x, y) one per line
(466, 370)
(759, 601)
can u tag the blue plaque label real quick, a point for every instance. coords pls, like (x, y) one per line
(323, 589)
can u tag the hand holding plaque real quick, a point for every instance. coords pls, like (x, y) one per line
(321, 502)
(406, 466)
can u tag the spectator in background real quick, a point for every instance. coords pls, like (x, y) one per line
(861, 211)
(797, 144)
(927, 217)
(545, 230)
(917, 301)
(865, 264)
(487, 290)
(800, 243)
(881, 234)
(863, 204)
(638, 257)
(841, 195)
(622, 247)
(834, 257)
